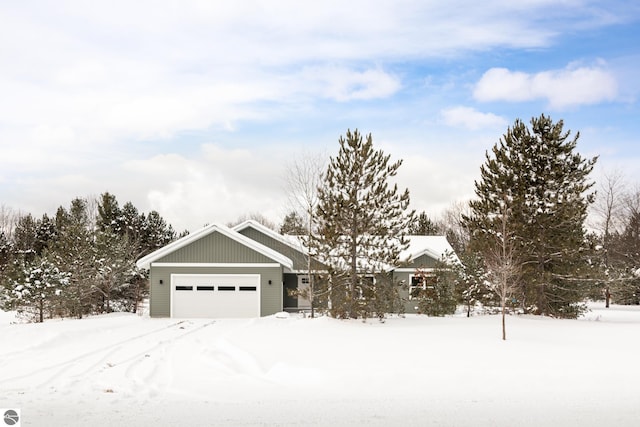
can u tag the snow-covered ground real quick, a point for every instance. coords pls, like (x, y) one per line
(124, 369)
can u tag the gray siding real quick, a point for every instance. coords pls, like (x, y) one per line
(409, 306)
(299, 258)
(159, 294)
(270, 294)
(216, 247)
(423, 261)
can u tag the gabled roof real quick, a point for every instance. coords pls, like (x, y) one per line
(436, 247)
(145, 262)
(294, 242)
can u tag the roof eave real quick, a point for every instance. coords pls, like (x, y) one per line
(146, 261)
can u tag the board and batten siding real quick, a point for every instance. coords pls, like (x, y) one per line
(424, 261)
(218, 248)
(270, 294)
(299, 258)
(212, 249)
(409, 306)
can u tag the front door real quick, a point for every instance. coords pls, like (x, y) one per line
(303, 292)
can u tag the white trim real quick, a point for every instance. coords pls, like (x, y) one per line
(429, 252)
(270, 233)
(307, 271)
(214, 264)
(410, 270)
(146, 261)
(424, 285)
(258, 278)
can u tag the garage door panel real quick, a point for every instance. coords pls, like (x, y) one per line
(215, 295)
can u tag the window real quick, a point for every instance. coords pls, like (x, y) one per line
(226, 288)
(184, 288)
(420, 285)
(205, 288)
(248, 288)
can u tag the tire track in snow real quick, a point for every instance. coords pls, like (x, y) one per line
(134, 359)
(142, 369)
(68, 364)
(162, 343)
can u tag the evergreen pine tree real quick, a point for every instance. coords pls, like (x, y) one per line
(6, 257)
(45, 234)
(543, 182)
(25, 237)
(423, 226)
(472, 287)
(362, 223)
(38, 288)
(293, 224)
(74, 253)
(156, 233)
(131, 226)
(625, 256)
(114, 264)
(435, 292)
(109, 214)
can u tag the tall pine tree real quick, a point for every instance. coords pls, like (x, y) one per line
(362, 222)
(74, 253)
(536, 174)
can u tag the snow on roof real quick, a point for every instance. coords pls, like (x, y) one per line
(436, 247)
(145, 262)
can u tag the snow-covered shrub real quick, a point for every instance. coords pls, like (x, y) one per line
(39, 289)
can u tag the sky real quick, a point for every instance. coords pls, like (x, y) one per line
(199, 109)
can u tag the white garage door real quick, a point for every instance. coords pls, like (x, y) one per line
(215, 295)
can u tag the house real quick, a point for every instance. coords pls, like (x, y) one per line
(422, 255)
(249, 271)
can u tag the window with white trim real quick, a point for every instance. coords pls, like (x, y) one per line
(419, 285)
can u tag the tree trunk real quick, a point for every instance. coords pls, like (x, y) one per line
(607, 296)
(504, 324)
(136, 297)
(309, 272)
(79, 289)
(354, 269)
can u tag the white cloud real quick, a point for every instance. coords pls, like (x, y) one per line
(471, 119)
(87, 86)
(343, 84)
(434, 183)
(119, 70)
(565, 88)
(214, 185)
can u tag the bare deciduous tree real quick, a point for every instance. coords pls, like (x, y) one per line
(255, 216)
(453, 226)
(609, 212)
(502, 264)
(8, 220)
(304, 176)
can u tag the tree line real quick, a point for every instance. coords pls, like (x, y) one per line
(79, 262)
(523, 242)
